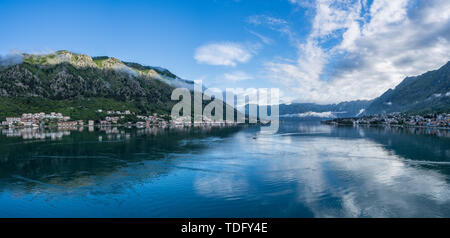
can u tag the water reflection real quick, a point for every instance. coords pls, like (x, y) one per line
(345, 172)
(306, 170)
(359, 178)
(78, 159)
(33, 133)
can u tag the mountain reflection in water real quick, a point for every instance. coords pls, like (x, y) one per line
(306, 170)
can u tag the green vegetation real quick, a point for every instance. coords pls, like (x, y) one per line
(63, 52)
(35, 59)
(146, 69)
(99, 59)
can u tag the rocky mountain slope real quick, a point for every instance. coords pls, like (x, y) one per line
(429, 92)
(64, 76)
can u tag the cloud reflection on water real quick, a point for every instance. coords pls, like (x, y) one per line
(340, 177)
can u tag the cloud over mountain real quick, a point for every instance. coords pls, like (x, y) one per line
(11, 59)
(358, 49)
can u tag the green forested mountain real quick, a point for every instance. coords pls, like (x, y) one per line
(429, 92)
(77, 85)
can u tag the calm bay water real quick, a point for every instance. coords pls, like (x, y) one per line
(306, 170)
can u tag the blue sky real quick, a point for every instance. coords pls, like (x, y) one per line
(315, 51)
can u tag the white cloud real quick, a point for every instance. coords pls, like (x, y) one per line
(328, 114)
(237, 76)
(12, 58)
(225, 54)
(263, 19)
(273, 23)
(302, 3)
(264, 39)
(358, 51)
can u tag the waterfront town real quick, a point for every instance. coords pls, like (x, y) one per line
(55, 126)
(112, 118)
(432, 120)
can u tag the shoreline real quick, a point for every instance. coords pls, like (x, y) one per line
(129, 126)
(383, 125)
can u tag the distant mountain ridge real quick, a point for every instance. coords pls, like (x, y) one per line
(429, 92)
(306, 110)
